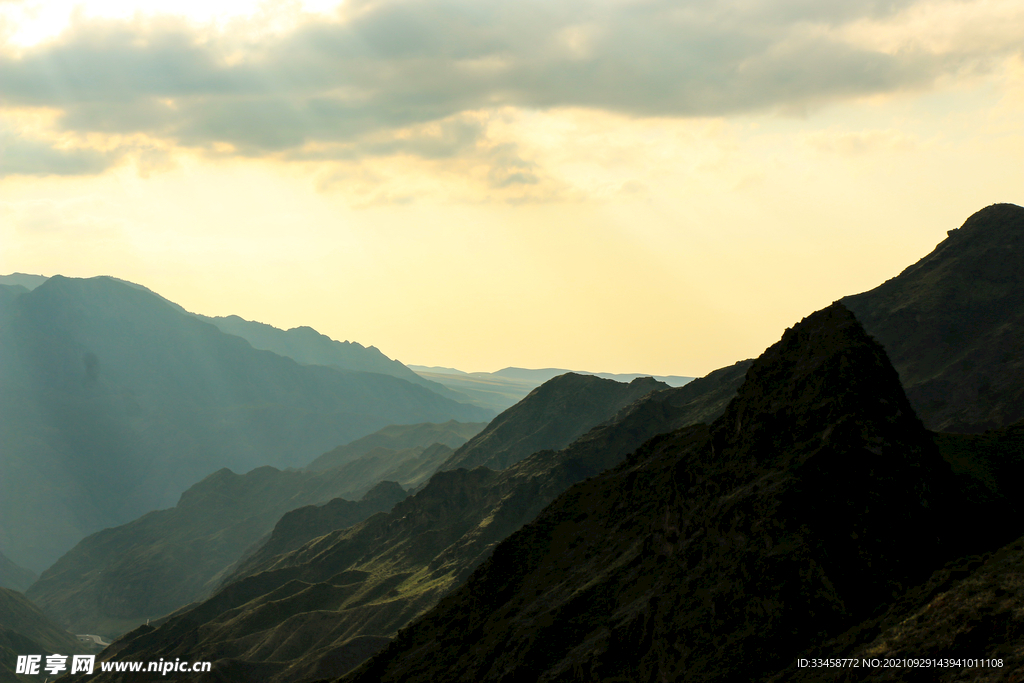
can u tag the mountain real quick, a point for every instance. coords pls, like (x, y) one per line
(320, 609)
(503, 389)
(309, 347)
(971, 605)
(115, 401)
(302, 344)
(714, 552)
(13, 576)
(24, 630)
(303, 524)
(25, 280)
(396, 438)
(118, 578)
(544, 374)
(551, 416)
(953, 324)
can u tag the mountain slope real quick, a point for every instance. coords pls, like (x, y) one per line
(14, 577)
(551, 416)
(320, 609)
(121, 577)
(309, 347)
(115, 401)
(713, 552)
(398, 438)
(970, 607)
(953, 324)
(25, 630)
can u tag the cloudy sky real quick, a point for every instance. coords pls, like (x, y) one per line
(609, 185)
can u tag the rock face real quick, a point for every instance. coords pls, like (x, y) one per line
(319, 610)
(953, 324)
(712, 553)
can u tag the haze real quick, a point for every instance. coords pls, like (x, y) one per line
(616, 186)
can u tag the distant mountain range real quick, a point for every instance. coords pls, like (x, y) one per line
(502, 389)
(115, 401)
(309, 347)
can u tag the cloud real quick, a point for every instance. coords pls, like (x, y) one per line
(347, 86)
(22, 156)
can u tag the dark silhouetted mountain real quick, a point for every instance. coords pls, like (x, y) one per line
(953, 324)
(14, 577)
(970, 607)
(118, 578)
(309, 347)
(399, 438)
(25, 630)
(550, 417)
(115, 401)
(322, 608)
(713, 553)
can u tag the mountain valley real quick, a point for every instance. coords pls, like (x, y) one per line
(850, 493)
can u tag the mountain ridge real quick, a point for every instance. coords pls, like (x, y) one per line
(115, 401)
(708, 548)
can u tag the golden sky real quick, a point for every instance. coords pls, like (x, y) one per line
(612, 185)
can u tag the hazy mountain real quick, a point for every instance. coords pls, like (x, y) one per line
(953, 324)
(713, 553)
(551, 416)
(303, 524)
(544, 374)
(121, 577)
(321, 609)
(29, 282)
(13, 576)
(483, 389)
(25, 630)
(399, 438)
(502, 389)
(309, 347)
(115, 401)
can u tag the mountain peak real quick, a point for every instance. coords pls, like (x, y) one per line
(824, 376)
(951, 324)
(711, 553)
(550, 417)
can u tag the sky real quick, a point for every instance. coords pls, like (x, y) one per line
(605, 185)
